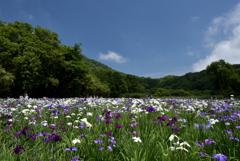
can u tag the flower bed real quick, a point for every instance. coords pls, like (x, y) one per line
(119, 129)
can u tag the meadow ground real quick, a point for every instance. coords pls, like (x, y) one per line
(119, 129)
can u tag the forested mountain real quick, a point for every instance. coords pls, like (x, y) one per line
(95, 65)
(33, 61)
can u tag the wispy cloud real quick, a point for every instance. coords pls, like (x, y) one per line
(190, 53)
(223, 38)
(112, 56)
(194, 18)
(26, 15)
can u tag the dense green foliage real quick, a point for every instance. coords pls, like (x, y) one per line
(223, 77)
(34, 61)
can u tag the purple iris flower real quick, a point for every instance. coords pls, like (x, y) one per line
(118, 116)
(102, 135)
(52, 127)
(234, 137)
(110, 133)
(151, 109)
(110, 148)
(220, 157)
(163, 118)
(174, 119)
(33, 118)
(81, 127)
(169, 123)
(107, 121)
(6, 116)
(101, 148)
(98, 118)
(134, 133)
(199, 143)
(175, 128)
(31, 136)
(75, 159)
(8, 123)
(238, 126)
(209, 141)
(228, 131)
(203, 153)
(119, 126)
(55, 137)
(98, 141)
(133, 125)
(18, 149)
(71, 148)
(131, 116)
(6, 130)
(23, 131)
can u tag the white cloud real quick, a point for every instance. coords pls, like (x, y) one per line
(190, 53)
(223, 38)
(112, 56)
(194, 18)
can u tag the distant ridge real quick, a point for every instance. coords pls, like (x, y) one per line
(95, 65)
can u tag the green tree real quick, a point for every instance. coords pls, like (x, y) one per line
(6, 80)
(41, 65)
(223, 77)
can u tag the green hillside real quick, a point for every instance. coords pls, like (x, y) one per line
(95, 65)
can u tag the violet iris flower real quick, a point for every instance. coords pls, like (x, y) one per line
(98, 141)
(52, 127)
(7, 116)
(134, 133)
(110, 133)
(163, 118)
(220, 157)
(228, 131)
(131, 116)
(209, 141)
(44, 134)
(169, 123)
(31, 136)
(133, 125)
(234, 137)
(71, 148)
(175, 128)
(174, 119)
(23, 131)
(199, 143)
(203, 153)
(151, 109)
(107, 121)
(119, 126)
(8, 123)
(118, 116)
(98, 118)
(18, 149)
(75, 159)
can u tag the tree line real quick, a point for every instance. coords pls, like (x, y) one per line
(33, 61)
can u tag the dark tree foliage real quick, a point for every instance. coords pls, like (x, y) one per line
(40, 64)
(223, 77)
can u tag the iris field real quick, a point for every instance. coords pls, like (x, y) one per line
(111, 129)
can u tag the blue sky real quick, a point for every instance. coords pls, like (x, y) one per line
(150, 38)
